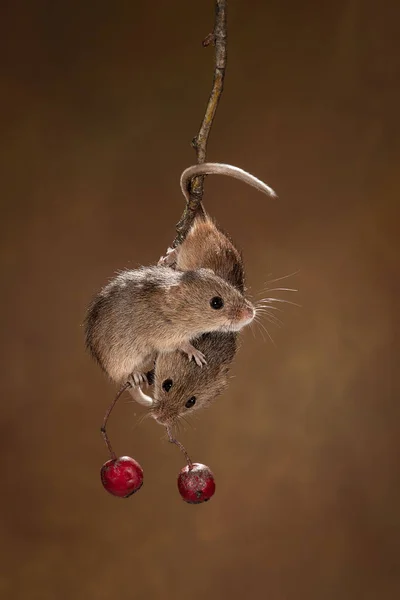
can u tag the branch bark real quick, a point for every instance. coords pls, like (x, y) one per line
(199, 143)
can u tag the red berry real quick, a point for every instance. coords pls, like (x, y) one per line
(122, 476)
(196, 484)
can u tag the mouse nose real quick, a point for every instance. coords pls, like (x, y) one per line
(242, 316)
(247, 314)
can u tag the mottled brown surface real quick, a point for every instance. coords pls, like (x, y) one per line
(100, 101)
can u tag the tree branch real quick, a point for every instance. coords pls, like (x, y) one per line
(199, 143)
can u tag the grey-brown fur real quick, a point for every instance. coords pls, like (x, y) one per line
(206, 384)
(205, 246)
(152, 310)
(208, 246)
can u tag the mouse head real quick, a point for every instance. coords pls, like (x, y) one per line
(206, 302)
(181, 386)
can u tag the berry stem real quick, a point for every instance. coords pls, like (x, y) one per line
(181, 448)
(106, 417)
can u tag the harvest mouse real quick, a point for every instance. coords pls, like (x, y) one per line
(178, 387)
(206, 245)
(152, 310)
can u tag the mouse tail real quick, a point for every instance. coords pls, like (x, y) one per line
(221, 169)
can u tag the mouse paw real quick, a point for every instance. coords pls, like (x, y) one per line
(194, 354)
(168, 259)
(136, 379)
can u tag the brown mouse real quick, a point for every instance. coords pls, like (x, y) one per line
(151, 310)
(178, 388)
(206, 245)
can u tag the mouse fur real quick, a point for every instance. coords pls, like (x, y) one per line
(151, 310)
(206, 245)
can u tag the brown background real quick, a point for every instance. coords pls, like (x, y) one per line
(100, 101)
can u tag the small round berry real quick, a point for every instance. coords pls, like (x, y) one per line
(196, 484)
(122, 476)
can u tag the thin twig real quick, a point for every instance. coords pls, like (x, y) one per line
(199, 143)
(181, 448)
(106, 417)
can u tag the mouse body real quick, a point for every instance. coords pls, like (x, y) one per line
(145, 312)
(207, 244)
(178, 388)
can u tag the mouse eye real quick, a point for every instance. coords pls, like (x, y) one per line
(191, 402)
(216, 303)
(167, 385)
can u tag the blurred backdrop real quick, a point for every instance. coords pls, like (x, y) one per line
(99, 103)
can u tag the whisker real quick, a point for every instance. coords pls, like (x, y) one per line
(280, 290)
(181, 425)
(264, 313)
(257, 322)
(183, 421)
(186, 420)
(278, 325)
(263, 304)
(265, 309)
(261, 325)
(271, 318)
(267, 332)
(194, 416)
(282, 300)
(261, 332)
(284, 277)
(267, 306)
(140, 420)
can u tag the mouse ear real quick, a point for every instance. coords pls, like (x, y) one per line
(195, 275)
(206, 271)
(140, 397)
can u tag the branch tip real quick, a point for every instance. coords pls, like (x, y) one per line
(219, 39)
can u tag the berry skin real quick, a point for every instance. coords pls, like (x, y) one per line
(122, 476)
(196, 484)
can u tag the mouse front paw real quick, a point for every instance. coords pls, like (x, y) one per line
(136, 379)
(194, 354)
(168, 259)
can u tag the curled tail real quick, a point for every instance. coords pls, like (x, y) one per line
(222, 169)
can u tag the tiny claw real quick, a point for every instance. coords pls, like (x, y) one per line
(200, 358)
(136, 379)
(194, 354)
(168, 259)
